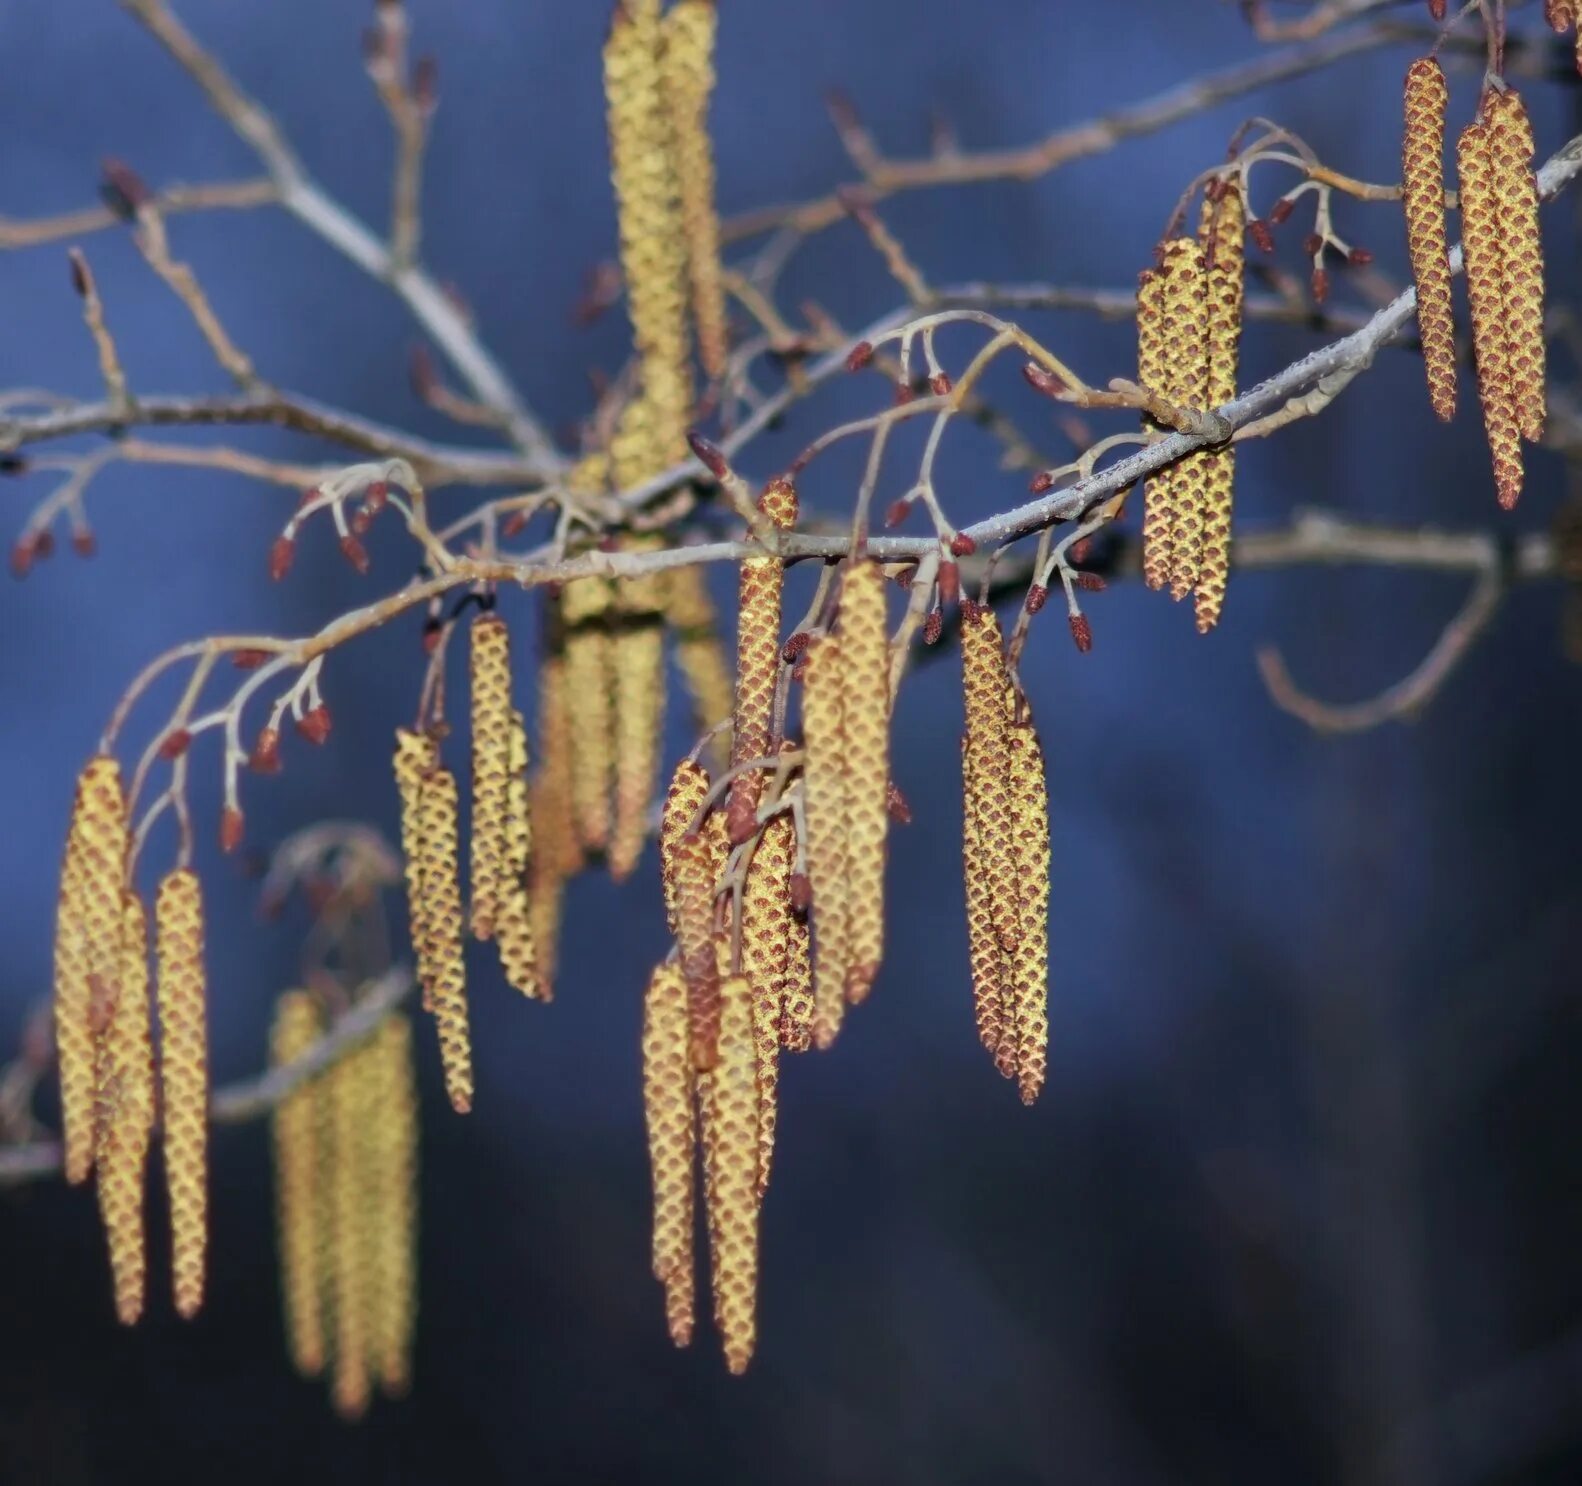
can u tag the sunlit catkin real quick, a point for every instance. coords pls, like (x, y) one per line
(1484, 251)
(513, 926)
(352, 1220)
(588, 644)
(1153, 375)
(1516, 189)
(757, 660)
(416, 754)
(796, 1022)
(667, 1108)
(766, 942)
(184, 1078)
(697, 868)
(299, 1211)
(638, 658)
(689, 788)
(701, 659)
(828, 825)
(865, 681)
(390, 1149)
(1030, 967)
(983, 945)
(730, 1114)
(127, 1115)
(441, 947)
(87, 950)
(1185, 277)
(1427, 240)
(490, 662)
(1222, 233)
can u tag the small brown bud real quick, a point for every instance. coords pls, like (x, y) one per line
(514, 524)
(1092, 582)
(1360, 257)
(904, 393)
(83, 543)
(314, 724)
(939, 384)
(708, 454)
(896, 512)
(1041, 379)
(1312, 245)
(232, 825)
(175, 743)
(1258, 231)
(1082, 632)
(897, 805)
(961, 545)
(1037, 597)
(1041, 482)
(801, 889)
(355, 553)
(280, 557)
(248, 660)
(1281, 211)
(859, 356)
(1320, 286)
(1081, 551)
(949, 582)
(1436, 8)
(795, 646)
(933, 627)
(265, 757)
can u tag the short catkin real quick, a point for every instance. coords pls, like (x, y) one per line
(1427, 239)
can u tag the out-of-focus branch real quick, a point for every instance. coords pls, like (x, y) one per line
(171, 201)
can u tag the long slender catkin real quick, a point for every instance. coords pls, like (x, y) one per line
(514, 933)
(1030, 967)
(441, 948)
(828, 824)
(1427, 239)
(416, 754)
(1511, 146)
(667, 1107)
(589, 648)
(352, 1221)
(1185, 274)
(299, 1202)
(639, 679)
(390, 1148)
(1154, 376)
(766, 943)
(490, 660)
(1222, 233)
(697, 872)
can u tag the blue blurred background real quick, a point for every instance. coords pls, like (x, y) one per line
(1301, 1201)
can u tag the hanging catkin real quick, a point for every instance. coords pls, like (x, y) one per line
(390, 1148)
(667, 1106)
(824, 781)
(700, 657)
(796, 1023)
(416, 754)
(352, 1223)
(490, 659)
(1030, 967)
(638, 658)
(1516, 190)
(766, 941)
(513, 926)
(299, 1211)
(588, 644)
(1185, 275)
(1153, 376)
(689, 788)
(184, 1078)
(989, 992)
(697, 872)
(1427, 239)
(441, 947)
(1222, 233)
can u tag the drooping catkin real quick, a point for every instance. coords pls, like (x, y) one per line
(556, 853)
(757, 660)
(1153, 375)
(127, 1115)
(730, 1116)
(796, 1022)
(589, 647)
(352, 1223)
(490, 663)
(865, 681)
(1427, 239)
(1561, 15)
(299, 1209)
(668, 1110)
(1030, 967)
(87, 950)
(416, 754)
(983, 944)
(390, 1148)
(828, 822)
(513, 925)
(1516, 189)
(689, 32)
(441, 947)
(1185, 274)
(1222, 233)
(689, 788)
(701, 659)
(766, 942)
(1483, 250)
(184, 1078)
(638, 657)
(697, 872)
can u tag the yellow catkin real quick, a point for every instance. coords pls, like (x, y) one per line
(689, 33)
(1427, 238)
(299, 1213)
(1511, 145)
(865, 683)
(1030, 968)
(697, 876)
(87, 950)
(638, 660)
(983, 945)
(128, 1115)
(513, 927)
(1223, 233)
(390, 1149)
(824, 775)
(701, 659)
(689, 788)
(766, 941)
(757, 660)
(1483, 248)
(490, 666)
(352, 1221)
(441, 949)
(557, 853)
(796, 1024)
(667, 1107)
(1153, 375)
(1186, 385)
(589, 649)
(416, 754)
(730, 1114)
(184, 1079)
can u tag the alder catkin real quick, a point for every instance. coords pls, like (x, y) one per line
(416, 754)
(299, 1212)
(589, 649)
(796, 1022)
(1185, 328)
(730, 1116)
(689, 32)
(352, 1223)
(1153, 376)
(490, 663)
(766, 942)
(865, 682)
(701, 659)
(184, 1078)
(638, 657)
(696, 876)
(1484, 251)
(1516, 190)
(668, 1110)
(1030, 967)
(390, 1148)
(689, 788)
(441, 948)
(513, 927)
(127, 1116)
(1427, 239)
(1223, 235)
(824, 784)
(989, 992)
(554, 818)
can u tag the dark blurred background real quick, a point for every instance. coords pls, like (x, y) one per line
(1301, 1202)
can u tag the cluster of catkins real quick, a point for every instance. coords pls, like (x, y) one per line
(1502, 255)
(105, 1043)
(1189, 314)
(346, 1202)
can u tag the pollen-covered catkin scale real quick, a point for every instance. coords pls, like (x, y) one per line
(184, 1078)
(513, 928)
(667, 1107)
(1427, 239)
(1030, 967)
(1511, 146)
(1153, 375)
(766, 940)
(490, 660)
(129, 1116)
(689, 31)
(696, 876)
(351, 1227)
(441, 949)
(757, 660)
(865, 681)
(730, 1112)
(1223, 234)
(1484, 251)
(415, 755)
(824, 784)
(299, 1211)
(390, 1148)
(1186, 385)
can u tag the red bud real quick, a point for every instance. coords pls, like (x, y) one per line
(1281, 211)
(314, 724)
(514, 524)
(1360, 257)
(896, 512)
(1320, 286)
(265, 757)
(1041, 379)
(801, 888)
(949, 582)
(1081, 551)
(1082, 632)
(1037, 597)
(939, 384)
(933, 627)
(175, 743)
(248, 660)
(859, 356)
(795, 646)
(83, 543)
(1312, 245)
(280, 557)
(355, 553)
(231, 827)
(961, 545)
(1258, 231)
(1092, 582)
(1041, 482)
(895, 802)
(709, 455)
